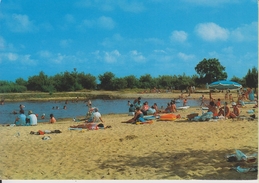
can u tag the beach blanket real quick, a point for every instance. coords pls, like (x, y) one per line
(204, 117)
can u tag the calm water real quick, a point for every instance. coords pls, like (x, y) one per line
(76, 109)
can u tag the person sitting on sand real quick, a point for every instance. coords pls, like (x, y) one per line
(155, 107)
(31, 119)
(218, 104)
(138, 114)
(236, 112)
(131, 110)
(52, 119)
(145, 108)
(224, 111)
(138, 104)
(167, 109)
(20, 119)
(173, 107)
(151, 110)
(212, 108)
(95, 117)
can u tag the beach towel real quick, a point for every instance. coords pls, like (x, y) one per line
(206, 116)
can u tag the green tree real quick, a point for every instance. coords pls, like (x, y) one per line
(106, 80)
(40, 83)
(239, 80)
(251, 78)
(119, 83)
(21, 81)
(132, 81)
(210, 70)
(146, 81)
(87, 81)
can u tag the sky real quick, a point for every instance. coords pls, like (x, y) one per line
(126, 37)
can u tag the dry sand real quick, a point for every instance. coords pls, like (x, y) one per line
(173, 150)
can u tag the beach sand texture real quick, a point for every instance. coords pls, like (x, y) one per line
(172, 150)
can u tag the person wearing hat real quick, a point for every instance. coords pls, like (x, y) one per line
(236, 112)
(31, 119)
(95, 116)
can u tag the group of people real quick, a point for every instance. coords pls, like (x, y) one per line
(138, 110)
(31, 119)
(224, 110)
(93, 117)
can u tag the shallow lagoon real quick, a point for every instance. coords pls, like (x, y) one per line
(76, 109)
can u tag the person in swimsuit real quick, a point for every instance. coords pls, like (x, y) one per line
(138, 114)
(225, 113)
(236, 112)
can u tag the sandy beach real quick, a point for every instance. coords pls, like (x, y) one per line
(167, 150)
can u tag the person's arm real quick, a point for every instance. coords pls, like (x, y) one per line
(101, 119)
(16, 119)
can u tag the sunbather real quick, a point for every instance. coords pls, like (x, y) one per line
(138, 114)
(236, 112)
(224, 111)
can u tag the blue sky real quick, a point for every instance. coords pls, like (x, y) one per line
(126, 37)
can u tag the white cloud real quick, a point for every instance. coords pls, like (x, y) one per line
(160, 51)
(45, 54)
(103, 22)
(131, 6)
(2, 43)
(65, 43)
(69, 18)
(111, 57)
(211, 32)
(106, 22)
(18, 59)
(228, 50)
(185, 57)
(111, 5)
(137, 56)
(26, 60)
(247, 32)
(178, 36)
(20, 23)
(12, 56)
(155, 41)
(212, 2)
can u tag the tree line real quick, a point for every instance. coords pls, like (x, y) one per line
(208, 70)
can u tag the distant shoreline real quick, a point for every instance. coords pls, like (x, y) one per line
(108, 95)
(90, 95)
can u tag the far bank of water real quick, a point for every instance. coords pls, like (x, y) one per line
(76, 109)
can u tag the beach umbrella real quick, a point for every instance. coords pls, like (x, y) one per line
(225, 85)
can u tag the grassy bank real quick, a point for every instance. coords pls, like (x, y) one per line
(90, 94)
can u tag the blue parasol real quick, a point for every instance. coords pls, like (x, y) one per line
(225, 85)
